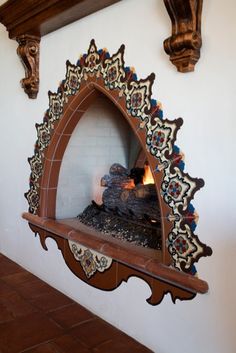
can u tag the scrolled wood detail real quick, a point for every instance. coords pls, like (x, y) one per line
(28, 51)
(118, 273)
(27, 21)
(184, 45)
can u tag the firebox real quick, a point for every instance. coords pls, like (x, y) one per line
(122, 204)
(108, 182)
(101, 138)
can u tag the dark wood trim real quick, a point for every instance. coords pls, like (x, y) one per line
(184, 45)
(28, 51)
(27, 19)
(38, 18)
(44, 16)
(146, 261)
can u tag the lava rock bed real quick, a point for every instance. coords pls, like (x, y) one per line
(137, 232)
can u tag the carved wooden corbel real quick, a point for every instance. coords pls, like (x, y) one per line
(28, 52)
(185, 43)
(28, 21)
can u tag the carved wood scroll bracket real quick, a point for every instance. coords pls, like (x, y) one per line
(185, 43)
(28, 21)
(28, 52)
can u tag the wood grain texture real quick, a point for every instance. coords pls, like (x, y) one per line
(184, 45)
(28, 51)
(27, 21)
(44, 16)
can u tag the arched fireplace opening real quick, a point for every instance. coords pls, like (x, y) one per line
(101, 79)
(102, 137)
(105, 181)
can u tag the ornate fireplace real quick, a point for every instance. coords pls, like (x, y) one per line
(64, 155)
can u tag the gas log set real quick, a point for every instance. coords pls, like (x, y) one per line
(129, 210)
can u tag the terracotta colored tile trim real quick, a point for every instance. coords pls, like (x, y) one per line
(136, 257)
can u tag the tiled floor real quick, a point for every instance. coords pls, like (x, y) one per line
(36, 318)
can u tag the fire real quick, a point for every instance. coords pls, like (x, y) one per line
(147, 178)
(129, 185)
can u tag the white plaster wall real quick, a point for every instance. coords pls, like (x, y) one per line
(101, 138)
(205, 99)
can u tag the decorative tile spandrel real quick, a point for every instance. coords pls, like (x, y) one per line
(90, 260)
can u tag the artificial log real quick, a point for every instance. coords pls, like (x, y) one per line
(123, 196)
(140, 202)
(121, 228)
(129, 212)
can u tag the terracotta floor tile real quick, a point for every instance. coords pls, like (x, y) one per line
(15, 306)
(34, 289)
(69, 344)
(71, 315)
(19, 278)
(51, 301)
(63, 327)
(5, 290)
(5, 315)
(26, 332)
(8, 267)
(124, 344)
(95, 332)
(44, 348)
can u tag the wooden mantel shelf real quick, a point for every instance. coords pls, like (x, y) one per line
(27, 21)
(41, 17)
(146, 261)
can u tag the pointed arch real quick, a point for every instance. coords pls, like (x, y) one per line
(99, 73)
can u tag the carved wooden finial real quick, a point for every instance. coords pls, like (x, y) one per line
(185, 43)
(28, 52)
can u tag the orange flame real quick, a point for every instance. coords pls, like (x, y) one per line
(129, 184)
(148, 177)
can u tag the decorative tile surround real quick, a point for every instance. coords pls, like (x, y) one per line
(95, 73)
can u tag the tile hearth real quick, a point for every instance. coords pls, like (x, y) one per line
(36, 318)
